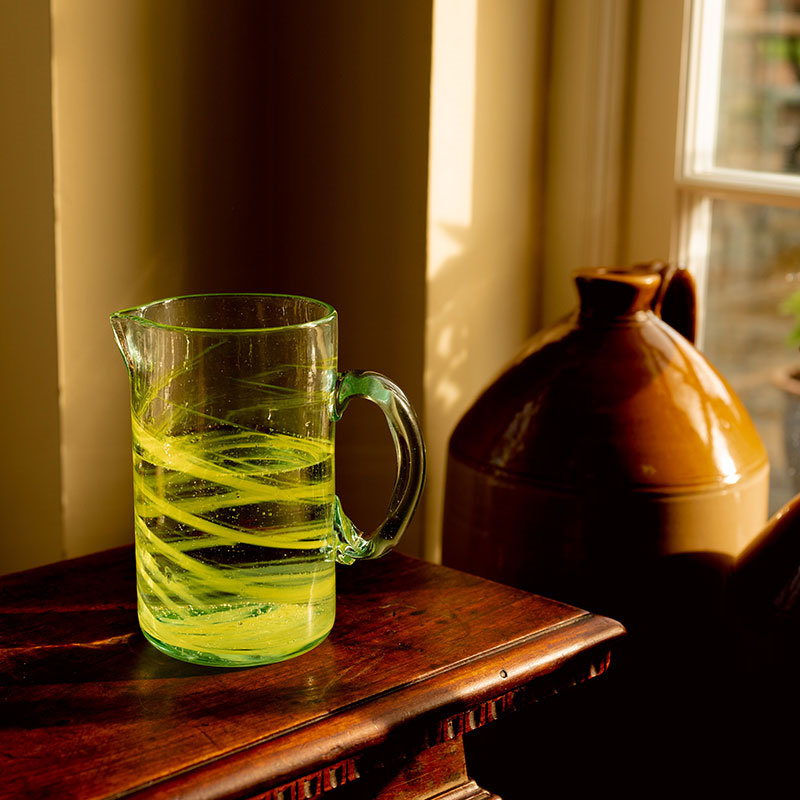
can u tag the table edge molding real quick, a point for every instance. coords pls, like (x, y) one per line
(442, 701)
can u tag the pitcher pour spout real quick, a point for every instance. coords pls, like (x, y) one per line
(129, 327)
(125, 324)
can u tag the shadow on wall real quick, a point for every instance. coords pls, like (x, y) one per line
(306, 173)
(240, 146)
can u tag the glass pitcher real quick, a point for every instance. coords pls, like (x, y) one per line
(237, 527)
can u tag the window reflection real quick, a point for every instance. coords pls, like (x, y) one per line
(753, 278)
(759, 97)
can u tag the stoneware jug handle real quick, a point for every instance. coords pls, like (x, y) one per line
(410, 451)
(676, 301)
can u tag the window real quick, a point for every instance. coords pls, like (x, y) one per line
(732, 203)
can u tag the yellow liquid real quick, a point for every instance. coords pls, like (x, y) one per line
(234, 544)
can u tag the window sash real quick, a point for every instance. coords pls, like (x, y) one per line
(698, 117)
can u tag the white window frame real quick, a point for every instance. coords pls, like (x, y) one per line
(684, 38)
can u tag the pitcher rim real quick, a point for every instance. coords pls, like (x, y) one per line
(135, 313)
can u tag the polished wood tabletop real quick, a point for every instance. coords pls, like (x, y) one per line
(420, 656)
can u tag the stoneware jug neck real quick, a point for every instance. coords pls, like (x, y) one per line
(610, 293)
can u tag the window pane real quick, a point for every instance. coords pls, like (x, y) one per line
(759, 94)
(753, 274)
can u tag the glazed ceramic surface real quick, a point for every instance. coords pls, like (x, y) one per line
(609, 458)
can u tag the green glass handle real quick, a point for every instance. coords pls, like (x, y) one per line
(410, 449)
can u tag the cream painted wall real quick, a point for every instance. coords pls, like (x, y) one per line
(216, 146)
(655, 100)
(120, 237)
(486, 206)
(587, 144)
(237, 146)
(262, 147)
(30, 490)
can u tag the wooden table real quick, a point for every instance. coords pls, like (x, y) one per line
(419, 657)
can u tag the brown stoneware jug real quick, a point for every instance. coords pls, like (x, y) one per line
(610, 465)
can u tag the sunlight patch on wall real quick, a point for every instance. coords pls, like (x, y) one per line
(488, 68)
(452, 128)
(450, 210)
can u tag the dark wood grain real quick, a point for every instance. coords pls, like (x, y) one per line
(419, 654)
